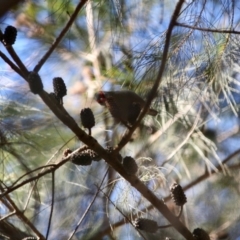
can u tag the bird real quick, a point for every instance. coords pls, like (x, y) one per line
(124, 106)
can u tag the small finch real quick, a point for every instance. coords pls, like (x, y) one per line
(123, 105)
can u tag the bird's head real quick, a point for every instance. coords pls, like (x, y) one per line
(100, 97)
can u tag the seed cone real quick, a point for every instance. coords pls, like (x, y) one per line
(10, 35)
(82, 158)
(130, 165)
(85, 157)
(35, 83)
(200, 234)
(87, 118)
(178, 194)
(146, 225)
(94, 156)
(59, 88)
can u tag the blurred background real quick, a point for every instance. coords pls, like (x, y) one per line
(116, 45)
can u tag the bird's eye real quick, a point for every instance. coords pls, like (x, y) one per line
(101, 99)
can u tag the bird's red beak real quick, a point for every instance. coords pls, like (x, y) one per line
(100, 97)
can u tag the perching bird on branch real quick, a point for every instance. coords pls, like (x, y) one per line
(124, 106)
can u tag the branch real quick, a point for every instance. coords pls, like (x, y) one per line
(22, 71)
(60, 37)
(47, 164)
(5, 6)
(53, 167)
(125, 216)
(52, 205)
(162, 130)
(11, 64)
(198, 180)
(207, 29)
(158, 80)
(17, 60)
(111, 158)
(92, 37)
(21, 216)
(89, 206)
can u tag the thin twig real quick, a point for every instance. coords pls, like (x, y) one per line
(158, 80)
(21, 216)
(7, 216)
(193, 128)
(60, 37)
(162, 130)
(5, 6)
(165, 226)
(29, 172)
(178, 47)
(92, 38)
(23, 70)
(52, 204)
(89, 131)
(17, 60)
(180, 213)
(53, 168)
(11, 64)
(207, 29)
(125, 216)
(47, 164)
(89, 206)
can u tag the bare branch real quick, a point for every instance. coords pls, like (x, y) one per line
(60, 37)
(207, 29)
(5, 6)
(17, 60)
(52, 204)
(89, 206)
(195, 182)
(11, 64)
(157, 82)
(21, 216)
